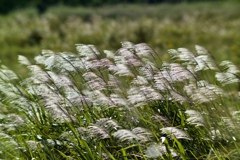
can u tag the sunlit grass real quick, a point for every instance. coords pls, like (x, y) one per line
(128, 104)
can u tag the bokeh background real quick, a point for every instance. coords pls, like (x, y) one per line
(29, 26)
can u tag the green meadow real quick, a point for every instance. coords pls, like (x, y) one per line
(121, 82)
(165, 26)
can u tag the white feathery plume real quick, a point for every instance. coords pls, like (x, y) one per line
(182, 54)
(236, 115)
(4, 137)
(98, 98)
(118, 100)
(178, 133)
(143, 50)
(126, 57)
(125, 53)
(148, 71)
(215, 89)
(99, 132)
(201, 50)
(6, 74)
(59, 80)
(9, 89)
(140, 80)
(40, 89)
(14, 118)
(190, 88)
(49, 62)
(93, 64)
(136, 97)
(203, 92)
(77, 99)
(106, 62)
(128, 45)
(119, 60)
(94, 81)
(134, 62)
(205, 62)
(158, 150)
(204, 59)
(230, 75)
(70, 62)
(195, 118)
(109, 54)
(94, 49)
(23, 60)
(230, 67)
(161, 82)
(125, 135)
(176, 97)
(47, 53)
(143, 134)
(55, 104)
(39, 59)
(59, 113)
(87, 51)
(179, 73)
(229, 123)
(88, 76)
(114, 83)
(150, 93)
(108, 124)
(38, 75)
(121, 70)
(175, 72)
(226, 78)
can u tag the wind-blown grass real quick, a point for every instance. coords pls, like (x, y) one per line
(127, 104)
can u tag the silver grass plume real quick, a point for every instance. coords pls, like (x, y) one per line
(203, 92)
(178, 133)
(143, 134)
(23, 60)
(137, 134)
(204, 59)
(230, 75)
(124, 135)
(99, 132)
(195, 118)
(159, 150)
(182, 54)
(109, 124)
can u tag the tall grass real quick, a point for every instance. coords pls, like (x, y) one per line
(127, 104)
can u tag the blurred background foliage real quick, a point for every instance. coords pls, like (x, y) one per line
(29, 26)
(42, 5)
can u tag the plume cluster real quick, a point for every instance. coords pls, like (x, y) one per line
(129, 96)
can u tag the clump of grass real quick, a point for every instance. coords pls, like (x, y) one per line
(127, 104)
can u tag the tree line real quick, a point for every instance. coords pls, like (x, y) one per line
(9, 5)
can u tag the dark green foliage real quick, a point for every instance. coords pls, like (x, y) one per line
(42, 5)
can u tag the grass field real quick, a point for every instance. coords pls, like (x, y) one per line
(213, 25)
(120, 98)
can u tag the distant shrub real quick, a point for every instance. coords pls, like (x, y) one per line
(127, 104)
